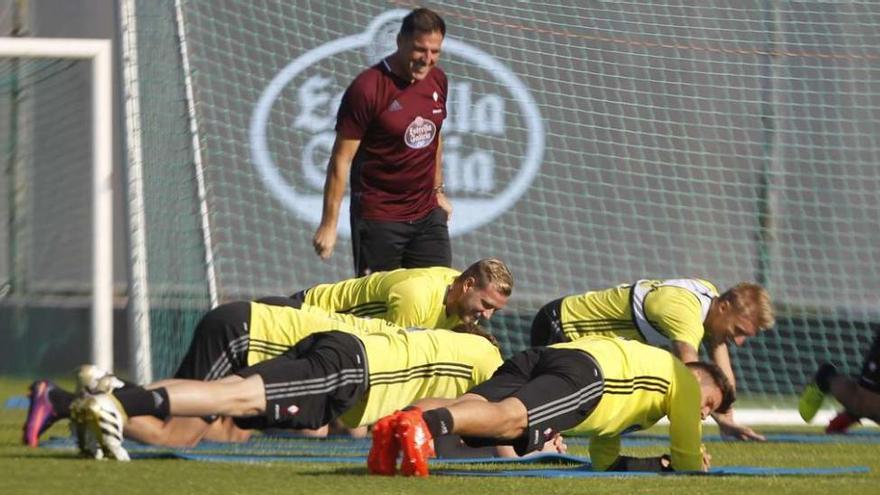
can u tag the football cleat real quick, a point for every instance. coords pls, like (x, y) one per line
(95, 380)
(104, 418)
(415, 442)
(841, 423)
(810, 401)
(41, 415)
(86, 440)
(91, 380)
(382, 459)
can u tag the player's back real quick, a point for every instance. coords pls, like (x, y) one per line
(639, 382)
(413, 364)
(389, 295)
(674, 310)
(599, 313)
(274, 329)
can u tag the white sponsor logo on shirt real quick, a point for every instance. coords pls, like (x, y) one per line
(419, 133)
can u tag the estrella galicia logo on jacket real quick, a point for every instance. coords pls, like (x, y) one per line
(419, 133)
(493, 135)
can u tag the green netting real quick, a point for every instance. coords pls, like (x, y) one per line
(45, 239)
(178, 291)
(588, 144)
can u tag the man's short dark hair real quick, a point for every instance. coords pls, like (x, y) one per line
(422, 21)
(728, 394)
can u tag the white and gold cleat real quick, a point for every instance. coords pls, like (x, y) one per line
(103, 418)
(94, 380)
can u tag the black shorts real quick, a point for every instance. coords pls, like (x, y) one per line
(559, 387)
(381, 246)
(220, 343)
(547, 325)
(870, 376)
(311, 384)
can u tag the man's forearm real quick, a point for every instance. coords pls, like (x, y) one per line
(721, 357)
(438, 166)
(334, 189)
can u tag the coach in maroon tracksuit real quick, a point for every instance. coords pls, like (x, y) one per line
(388, 137)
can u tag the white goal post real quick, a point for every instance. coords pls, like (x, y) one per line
(99, 53)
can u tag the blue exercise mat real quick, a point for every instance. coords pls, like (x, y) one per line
(17, 402)
(585, 471)
(642, 439)
(647, 440)
(311, 450)
(258, 446)
(532, 459)
(286, 445)
(317, 452)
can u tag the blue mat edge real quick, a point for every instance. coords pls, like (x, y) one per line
(584, 472)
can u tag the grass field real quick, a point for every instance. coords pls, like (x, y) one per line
(44, 471)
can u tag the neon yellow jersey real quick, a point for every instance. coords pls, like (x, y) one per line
(675, 312)
(365, 324)
(274, 329)
(413, 297)
(409, 365)
(642, 385)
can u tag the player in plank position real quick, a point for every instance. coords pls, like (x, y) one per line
(227, 338)
(418, 297)
(358, 378)
(675, 314)
(437, 297)
(600, 386)
(860, 397)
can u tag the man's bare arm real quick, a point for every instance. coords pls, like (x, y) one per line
(726, 423)
(439, 187)
(334, 188)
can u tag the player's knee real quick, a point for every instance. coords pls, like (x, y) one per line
(243, 397)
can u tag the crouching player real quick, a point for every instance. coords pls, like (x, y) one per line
(599, 386)
(860, 398)
(325, 376)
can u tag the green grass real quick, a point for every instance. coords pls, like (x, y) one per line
(43, 471)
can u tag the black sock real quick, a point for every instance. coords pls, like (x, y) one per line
(823, 377)
(126, 384)
(138, 401)
(439, 421)
(60, 400)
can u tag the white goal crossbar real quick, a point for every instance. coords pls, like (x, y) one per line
(99, 53)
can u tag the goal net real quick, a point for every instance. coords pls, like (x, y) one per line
(56, 263)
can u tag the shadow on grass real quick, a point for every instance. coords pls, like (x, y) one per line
(342, 471)
(28, 453)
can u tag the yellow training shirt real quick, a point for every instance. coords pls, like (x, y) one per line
(642, 384)
(674, 311)
(275, 329)
(409, 365)
(408, 297)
